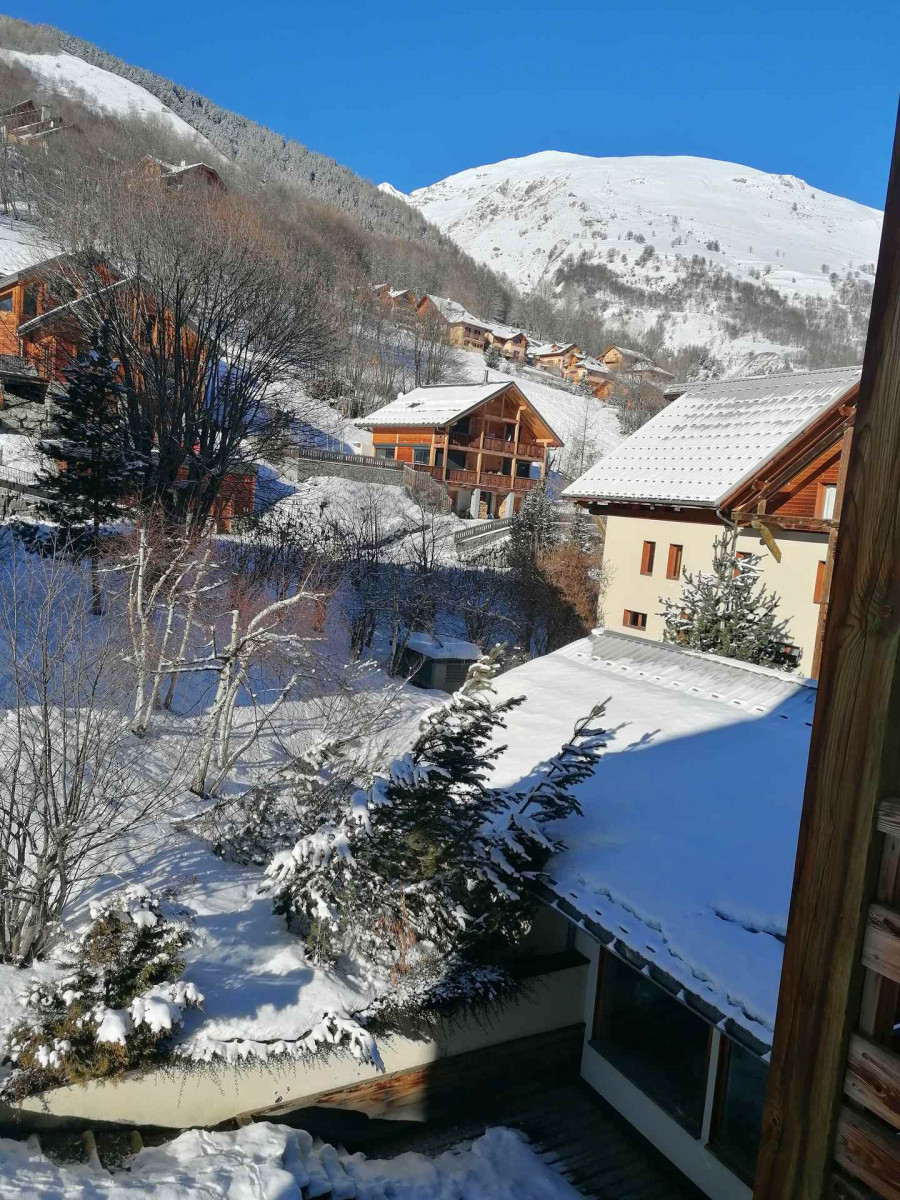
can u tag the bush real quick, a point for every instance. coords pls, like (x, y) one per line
(115, 1004)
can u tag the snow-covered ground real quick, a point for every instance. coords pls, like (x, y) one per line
(104, 92)
(272, 1162)
(21, 245)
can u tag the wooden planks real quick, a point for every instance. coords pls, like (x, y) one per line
(868, 1152)
(854, 764)
(889, 817)
(873, 1079)
(881, 945)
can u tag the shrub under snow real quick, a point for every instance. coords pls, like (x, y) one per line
(115, 1004)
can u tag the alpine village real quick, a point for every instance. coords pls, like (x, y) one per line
(449, 667)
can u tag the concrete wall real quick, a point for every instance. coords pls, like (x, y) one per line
(794, 578)
(216, 1092)
(299, 470)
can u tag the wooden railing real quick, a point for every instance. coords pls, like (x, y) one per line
(365, 460)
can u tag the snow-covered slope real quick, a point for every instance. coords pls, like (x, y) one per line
(102, 90)
(642, 220)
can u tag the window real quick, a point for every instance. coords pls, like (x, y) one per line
(654, 1040)
(819, 590)
(634, 620)
(827, 499)
(421, 454)
(385, 452)
(30, 302)
(740, 556)
(648, 554)
(737, 1122)
(6, 302)
(673, 566)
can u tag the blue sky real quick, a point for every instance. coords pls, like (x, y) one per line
(411, 90)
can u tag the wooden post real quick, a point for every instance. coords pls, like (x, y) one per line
(846, 443)
(854, 764)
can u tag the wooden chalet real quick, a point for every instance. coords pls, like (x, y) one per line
(511, 343)
(40, 337)
(400, 301)
(595, 373)
(623, 361)
(485, 442)
(462, 328)
(170, 175)
(560, 359)
(764, 454)
(26, 122)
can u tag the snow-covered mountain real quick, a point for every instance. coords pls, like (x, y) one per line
(619, 228)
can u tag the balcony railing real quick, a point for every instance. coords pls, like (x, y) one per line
(493, 445)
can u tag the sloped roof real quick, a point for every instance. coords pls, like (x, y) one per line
(683, 860)
(543, 351)
(712, 438)
(440, 404)
(453, 312)
(505, 332)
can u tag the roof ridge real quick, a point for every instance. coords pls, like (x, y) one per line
(769, 375)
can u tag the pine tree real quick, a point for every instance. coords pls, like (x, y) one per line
(727, 611)
(429, 864)
(492, 358)
(98, 470)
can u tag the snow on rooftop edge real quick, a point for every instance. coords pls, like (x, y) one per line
(702, 445)
(686, 848)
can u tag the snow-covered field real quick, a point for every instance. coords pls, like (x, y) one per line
(21, 245)
(272, 1162)
(103, 91)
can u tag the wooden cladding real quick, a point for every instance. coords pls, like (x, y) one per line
(881, 945)
(866, 1149)
(873, 1079)
(819, 589)
(648, 556)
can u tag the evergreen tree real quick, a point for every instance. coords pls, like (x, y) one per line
(492, 358)
(429, 864)
(98, 471)
(727, 611)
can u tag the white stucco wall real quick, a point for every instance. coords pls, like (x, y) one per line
(179, 1099)
(794, 578)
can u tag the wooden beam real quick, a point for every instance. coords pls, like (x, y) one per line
(873, 1079)
(854, 764)
(869, 1152)
(846, 443)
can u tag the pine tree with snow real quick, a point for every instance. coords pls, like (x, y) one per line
(728, 611)
(114, 1005)
(535, 528)
(429, 863)
(98, 471)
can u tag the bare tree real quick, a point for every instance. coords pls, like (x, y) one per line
(74, 782)
(210, 318)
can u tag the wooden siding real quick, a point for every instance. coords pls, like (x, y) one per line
(800, 496)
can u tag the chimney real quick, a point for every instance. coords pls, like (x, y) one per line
(485, 375)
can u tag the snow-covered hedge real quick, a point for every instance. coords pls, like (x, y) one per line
(113, 1007)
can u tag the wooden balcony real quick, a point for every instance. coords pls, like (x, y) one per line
(471, 442)
(488, 480)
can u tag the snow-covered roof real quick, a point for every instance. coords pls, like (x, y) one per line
(594, 364)
(453, 312)
(713, 437)
(438, 404)
(543, 351)
(505, 332)
(685, 852)
(432, 647)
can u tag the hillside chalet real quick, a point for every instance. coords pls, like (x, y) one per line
(595, 373)
(764, 454)
(26, 122)
(560, 359)
(401, 302)
(462, 329)
(484, 441)
(511, 343)
(41, 336)
(623, 361)
(183, 175)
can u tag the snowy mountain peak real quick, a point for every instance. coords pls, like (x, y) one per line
(390, 190)
(630, 234)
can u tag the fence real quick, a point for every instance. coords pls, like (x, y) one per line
(359, 460)
(483, 527)
(424, 484)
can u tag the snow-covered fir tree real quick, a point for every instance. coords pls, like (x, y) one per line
(427, 871)
(535, 527)
(728, 611)
(98, 469)
(90, 440)
(114, 1005)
